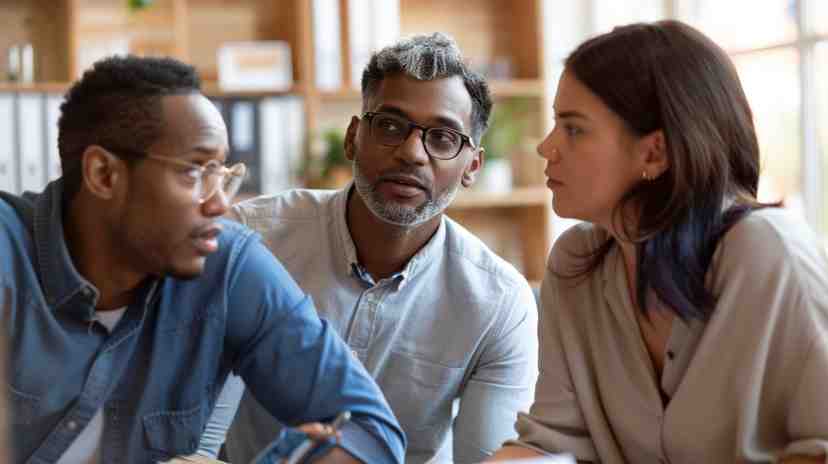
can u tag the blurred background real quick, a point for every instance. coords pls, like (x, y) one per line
(285, 75)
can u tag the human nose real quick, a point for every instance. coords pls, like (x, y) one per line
(413, 150)
(217, 204)
(548, 150)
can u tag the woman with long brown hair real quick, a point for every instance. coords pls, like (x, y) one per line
(684, 321)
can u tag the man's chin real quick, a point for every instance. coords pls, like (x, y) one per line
(189, 271)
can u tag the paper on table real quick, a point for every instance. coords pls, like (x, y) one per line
(555, 459)
(193, 458)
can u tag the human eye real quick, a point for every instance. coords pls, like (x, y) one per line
(390, 124)
(213, 166)
(191, 174)
(443, 137)
(572, 130)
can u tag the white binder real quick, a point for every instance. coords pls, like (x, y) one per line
(272, 152)
(53, 103)
(327, 46)
(295, 132)
(372, 25)
(31, 123)
(8, 144)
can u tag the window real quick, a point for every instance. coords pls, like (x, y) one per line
(610, 13)
(742, 24)
(821, 84)
(770, 80)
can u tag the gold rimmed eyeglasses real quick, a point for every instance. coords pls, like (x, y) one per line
(210, 177)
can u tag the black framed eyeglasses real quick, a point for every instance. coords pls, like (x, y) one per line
(441, 143)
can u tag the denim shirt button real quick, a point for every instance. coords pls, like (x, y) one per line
(72, 425)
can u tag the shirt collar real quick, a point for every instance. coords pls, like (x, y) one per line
(348, 260)
(59, 278)
(63, 286)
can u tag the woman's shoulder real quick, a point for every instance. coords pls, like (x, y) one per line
(771, 241)
(775, 230)
(578, 241)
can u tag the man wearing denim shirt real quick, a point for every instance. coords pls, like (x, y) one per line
(432, 313)
(127, 301)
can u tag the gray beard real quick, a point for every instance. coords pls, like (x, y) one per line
(396, 214)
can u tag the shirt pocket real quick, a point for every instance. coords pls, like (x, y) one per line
(174, 432)
(23, 406)
(420, 393)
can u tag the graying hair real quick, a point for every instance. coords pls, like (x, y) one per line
(425, 58)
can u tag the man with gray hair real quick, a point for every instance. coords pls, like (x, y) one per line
(445, 327)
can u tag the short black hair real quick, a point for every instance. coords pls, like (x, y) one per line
(117, 105)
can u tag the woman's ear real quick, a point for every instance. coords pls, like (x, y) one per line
(654, 151)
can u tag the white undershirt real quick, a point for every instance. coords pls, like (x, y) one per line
(86, 449)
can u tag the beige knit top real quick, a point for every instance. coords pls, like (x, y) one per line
(749, 385)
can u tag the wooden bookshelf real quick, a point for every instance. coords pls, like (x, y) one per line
(502, 38)
(520, 197)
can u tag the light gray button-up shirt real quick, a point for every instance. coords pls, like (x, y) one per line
(749, 385)
(457, 322)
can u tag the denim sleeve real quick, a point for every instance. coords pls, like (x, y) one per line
(503, 382)
(296, 365)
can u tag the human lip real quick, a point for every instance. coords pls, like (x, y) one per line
(403, 187)
(410, 181)
(552, 182)
(206, 239)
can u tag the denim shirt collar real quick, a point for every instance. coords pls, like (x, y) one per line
(63, 286)
(349, 262)
(61, 281)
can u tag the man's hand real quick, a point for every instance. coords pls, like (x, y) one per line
(319, 431)
(513, 452)
(337, 455)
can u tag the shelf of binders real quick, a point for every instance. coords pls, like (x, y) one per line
(210, 88)
(500, 88)
(330, 42)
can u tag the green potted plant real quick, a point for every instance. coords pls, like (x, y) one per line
(507, 125)
(327, 167)
(137, 5)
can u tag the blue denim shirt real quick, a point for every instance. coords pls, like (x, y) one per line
(157, 375)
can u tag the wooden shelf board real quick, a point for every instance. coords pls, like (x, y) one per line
(341, 94)
(514, 88)
(531, 88)
(42, 87)
(517, 88)
(212, 89)
(209, 88)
